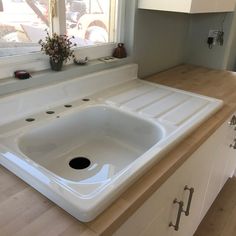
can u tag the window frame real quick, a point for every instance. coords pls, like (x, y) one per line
(38, 61)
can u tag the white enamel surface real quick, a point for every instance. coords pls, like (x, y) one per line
(109, 138)
(35, 100)
(126, 127)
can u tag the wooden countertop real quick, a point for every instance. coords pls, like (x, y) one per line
(24, 211)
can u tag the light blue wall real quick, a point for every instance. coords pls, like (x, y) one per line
(198, 52)
(159, 40)
(163, 40)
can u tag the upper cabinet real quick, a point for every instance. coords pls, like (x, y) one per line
(189, 6)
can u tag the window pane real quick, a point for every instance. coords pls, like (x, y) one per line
(91, 21)
(22, 24)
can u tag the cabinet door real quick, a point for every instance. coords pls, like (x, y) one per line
(223, 164)
(159, 226)
(155, 215)
(196, 171)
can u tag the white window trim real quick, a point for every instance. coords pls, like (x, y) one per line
(37, 61)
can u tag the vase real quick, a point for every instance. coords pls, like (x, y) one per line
(120, 51)
(56, 66)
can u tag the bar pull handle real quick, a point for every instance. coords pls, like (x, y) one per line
(191, 191)
(233, 145)
(232, 122)
(181, 206)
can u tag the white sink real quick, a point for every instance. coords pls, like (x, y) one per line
(91, 145)
(85, 155)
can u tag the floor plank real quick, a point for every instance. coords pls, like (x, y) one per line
(221, 217)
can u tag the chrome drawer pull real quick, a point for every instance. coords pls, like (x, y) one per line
(191, 191)
(181, 205)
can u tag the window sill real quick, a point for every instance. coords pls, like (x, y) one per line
(46, 77)
(37, 61)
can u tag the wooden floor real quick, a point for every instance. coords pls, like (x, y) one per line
(221, 218)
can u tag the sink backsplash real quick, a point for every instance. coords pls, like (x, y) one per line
(24, 103)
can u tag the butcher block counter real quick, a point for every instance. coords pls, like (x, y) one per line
(24, 211)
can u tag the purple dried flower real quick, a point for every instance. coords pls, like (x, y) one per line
(58, 47)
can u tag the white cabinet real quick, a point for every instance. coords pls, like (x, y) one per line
(188, 6)
(205, 171)
(223, 162)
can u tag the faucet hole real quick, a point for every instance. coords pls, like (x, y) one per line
(67, 105)
(79, 163)
(50, 112)
(30, 119)
(85, 99)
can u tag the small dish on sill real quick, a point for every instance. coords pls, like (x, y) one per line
(81, 61)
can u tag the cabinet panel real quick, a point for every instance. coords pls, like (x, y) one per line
(160, 204)
(165, 5)
(199, 6)
(225, 5)
(223, 163)
(160, 225)
(229, 153)
(189, 6)
(154, 216)
(196, 170)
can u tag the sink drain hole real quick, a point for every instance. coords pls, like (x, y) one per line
(79, 163)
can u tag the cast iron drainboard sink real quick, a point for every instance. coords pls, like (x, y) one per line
(84, 159)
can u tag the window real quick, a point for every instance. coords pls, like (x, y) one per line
(23, 23)
(96, 24)
(91, 21)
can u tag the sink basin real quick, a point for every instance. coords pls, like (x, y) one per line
(91, 145)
